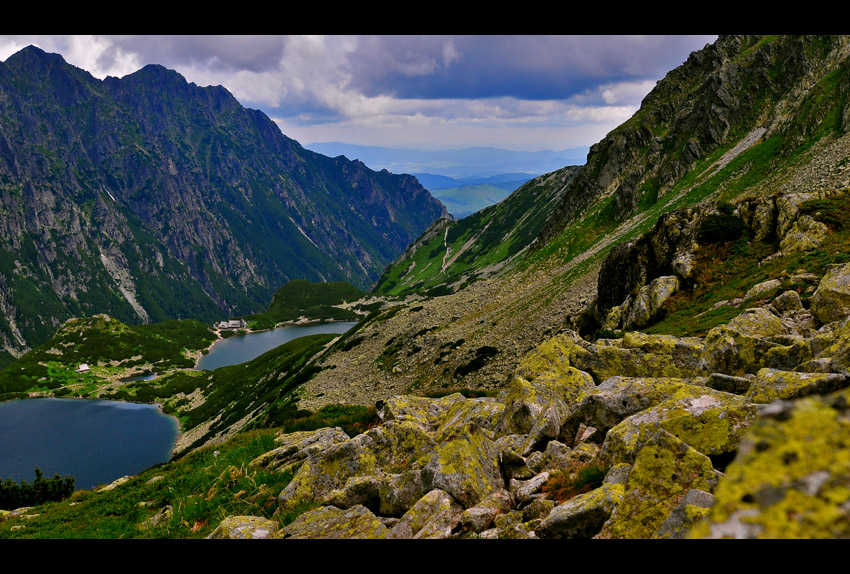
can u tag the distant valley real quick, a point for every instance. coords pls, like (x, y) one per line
(150, 198)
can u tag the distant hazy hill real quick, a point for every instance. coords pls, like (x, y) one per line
(148, 197)
(456, 163)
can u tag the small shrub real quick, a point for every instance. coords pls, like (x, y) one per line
(721, 228)
(578, 478)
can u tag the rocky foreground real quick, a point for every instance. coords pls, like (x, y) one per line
(661, 416)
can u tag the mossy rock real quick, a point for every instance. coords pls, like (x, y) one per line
(538, 407)
(327, 471)
(791, 477)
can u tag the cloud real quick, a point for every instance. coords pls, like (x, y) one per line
(455, 86)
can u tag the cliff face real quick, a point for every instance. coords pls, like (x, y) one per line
(737, 86)
(148, 197)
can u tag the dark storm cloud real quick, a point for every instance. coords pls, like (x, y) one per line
(525, 67)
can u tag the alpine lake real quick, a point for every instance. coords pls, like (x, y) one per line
(99, 441)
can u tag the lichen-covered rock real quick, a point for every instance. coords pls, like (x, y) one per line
(789, 355)
(424, 411)
(649, 300)
(583, 515)
(805, 234)
(399, 492)
(618, 397)
(328, 470)
(786, 302)
(296, 447)
(484, 412)
(773, 384)
(358, 490)
(481, 516)
(466, 466)
(791, 476)
(762, 288)
(556, 456)
(711, 422)
(523, 490)
(831, 300)
(737, 348)
(164, 515)
(396, 444)
(663, 472)
(244, 527)
(435, 515)
(538, 508)
(692, 509)
(763, 223)
(537, 407)
(330, 522)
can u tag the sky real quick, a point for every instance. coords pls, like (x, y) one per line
(524, 93)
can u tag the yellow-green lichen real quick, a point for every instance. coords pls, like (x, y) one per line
(663, 473)
(791, 478)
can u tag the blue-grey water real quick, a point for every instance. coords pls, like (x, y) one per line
(241, 348)
(94, 441)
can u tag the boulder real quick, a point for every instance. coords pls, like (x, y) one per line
(523, 490)
(358, 490)
(329, 470)
(619, 397)
(423, 411)
(399, 492)
(738, 347)
(466, 466)
(296, 447)
(481, 516)
(244, 527)
(536, 407)
(730, 383)
(831, 300)
(649, 300)
(330, 522)
(791, 476)
(760, 289)
(805, 234)
(665, 469)
(582, 516)
(773, 384)
(693, 508)
(711, 422)
(433, 516)
(483, 412)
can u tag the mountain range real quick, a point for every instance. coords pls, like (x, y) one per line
(477, 162)
(148, 198)
(655, 344)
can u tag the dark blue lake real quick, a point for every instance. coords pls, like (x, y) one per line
(241, 348)
(94, 441)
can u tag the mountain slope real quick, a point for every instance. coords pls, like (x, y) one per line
(147, 197)
(789, 133)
